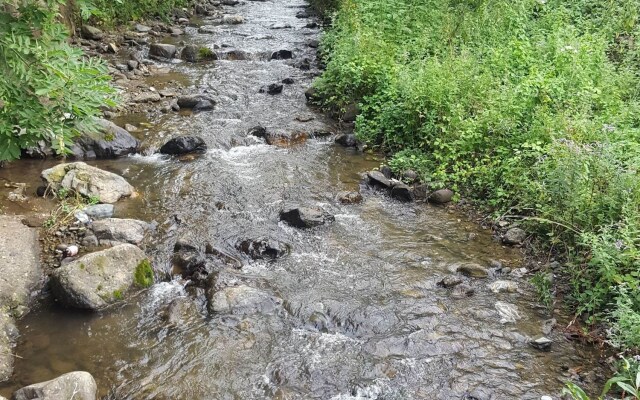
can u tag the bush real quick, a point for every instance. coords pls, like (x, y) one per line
(529, 107)
(49, 91)
(122, 11)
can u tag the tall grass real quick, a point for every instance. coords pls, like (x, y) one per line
(526, 106)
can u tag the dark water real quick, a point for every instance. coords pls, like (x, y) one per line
(361, 314)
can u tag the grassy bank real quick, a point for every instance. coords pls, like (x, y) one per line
(529, 107)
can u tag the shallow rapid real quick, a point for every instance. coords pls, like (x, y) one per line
(361, 315)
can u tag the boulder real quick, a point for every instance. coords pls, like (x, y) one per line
(514, 236)
(184, 145)
(88, 181)
(349, 197)
(189, 53)
(347, 140)
(77, 385)
(162, 50)
(243, 300)
(305, 217)
(232, 19)
(377, 178)
(98, 279)
(441, 196)
(91, 32)
(114, 231)
(473, 270)
(263, 248)
(258, 131)
(110, 141)
(402, 192)
(281, 55)
(196, 102)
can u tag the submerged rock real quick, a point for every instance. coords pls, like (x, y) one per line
(305, 217)
(78, 385)
(349, 197)
(243, 300)
(184, 145)
(180, 311)
(258, 131)
(263, 248)
(88, 181)
(473, 270)
(98, 279)
(273, 89)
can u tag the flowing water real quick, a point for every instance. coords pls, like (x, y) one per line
(361, 315)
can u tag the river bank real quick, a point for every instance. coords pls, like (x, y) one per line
(386, 298)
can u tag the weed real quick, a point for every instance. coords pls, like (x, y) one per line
(143, 276)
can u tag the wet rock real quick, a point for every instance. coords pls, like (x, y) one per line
(541, 343)
(450, 281)
(514, 236)
(311, 94)
(91, 32)
(232, 19)
(441, 196)
(350, 113)
(258, 131)
(114, 231)
(288, 81)
(402, 192)
(473, 270)
(162, 50)
(281, 55)
(193, 264)
(305, 217)
(280, 25)
(88, 181)
(110, 141)
(180, 311)
(347, 140)
(98, 279)
(507, 312)
(184, 145)
(377, 178)
(263, 248)
(146, 97)
(99, 211)
(313, 43)
(78, 385)
(349, 197)
(196, 102)
(503, 286)
(229, 2)
(243, 300)
(272, 89)
(189, 53)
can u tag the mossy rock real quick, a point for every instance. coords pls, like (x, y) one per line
(143, 276)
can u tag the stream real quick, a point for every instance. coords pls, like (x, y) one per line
(360, 314)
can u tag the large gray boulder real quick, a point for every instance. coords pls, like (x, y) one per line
(110, 141)
(77, 385)
(243, 300)
(162, 50)
(98, 279)
(88, 181)
(113, 231)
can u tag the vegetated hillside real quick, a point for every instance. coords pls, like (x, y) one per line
(530, 107)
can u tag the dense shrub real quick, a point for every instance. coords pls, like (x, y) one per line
(531, 107)
(122, 11)
(49, 91)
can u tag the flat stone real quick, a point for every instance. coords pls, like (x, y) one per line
(378, 178)
(473, 270)
(99, 211)
(305, 217)
(20, 269)
(113, 231)
(542, 343)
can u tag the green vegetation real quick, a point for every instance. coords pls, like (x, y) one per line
(122, 11)
(627, 381)
(49, 91)
(205, 53)
(530, 107)
(143, 276)
(117, 294)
